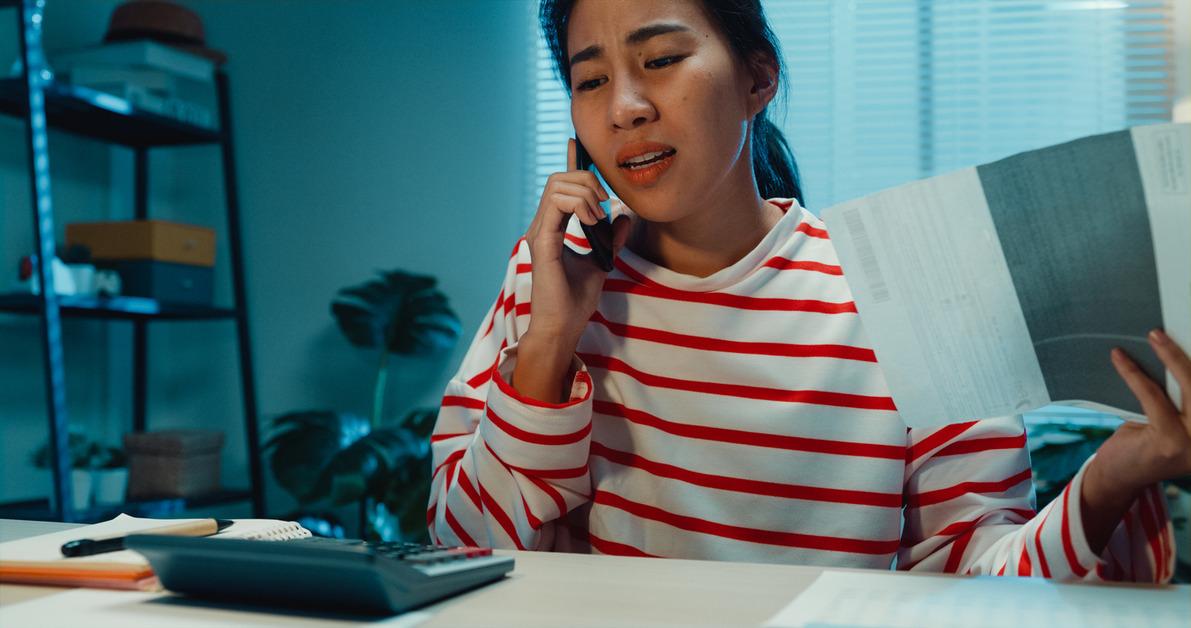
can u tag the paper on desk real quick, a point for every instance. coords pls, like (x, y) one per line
(839, 598)
(49, 546)
(96, 608)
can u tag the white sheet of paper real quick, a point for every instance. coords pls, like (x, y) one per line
(1165, 169)
(838, 598)
(968, 313)
(96, 608)
(49, 546)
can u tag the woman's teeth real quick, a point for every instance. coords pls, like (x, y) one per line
(646, 159)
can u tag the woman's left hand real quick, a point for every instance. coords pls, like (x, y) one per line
(1138, 455)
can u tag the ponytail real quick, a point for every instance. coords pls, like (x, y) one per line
(773, 164)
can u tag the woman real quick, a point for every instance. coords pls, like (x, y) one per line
(714, 396)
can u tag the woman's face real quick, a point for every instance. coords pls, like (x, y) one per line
(660, 103)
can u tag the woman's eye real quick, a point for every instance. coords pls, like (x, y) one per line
(662, 62)
(589, 84)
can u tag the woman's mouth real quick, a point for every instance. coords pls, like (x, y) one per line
(647, 168)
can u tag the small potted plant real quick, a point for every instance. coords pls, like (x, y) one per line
(109, 470)
(81, 451)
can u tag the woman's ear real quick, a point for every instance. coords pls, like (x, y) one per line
(764, 72)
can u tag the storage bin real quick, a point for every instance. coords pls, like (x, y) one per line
(158, 240)
(165, 281)
(173, 463)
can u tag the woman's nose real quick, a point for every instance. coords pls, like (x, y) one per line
(630, 107)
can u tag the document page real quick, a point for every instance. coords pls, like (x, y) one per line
(838, 598)
(1075, 230)
(932, 287)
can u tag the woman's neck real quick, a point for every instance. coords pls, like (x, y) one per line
(713, 238)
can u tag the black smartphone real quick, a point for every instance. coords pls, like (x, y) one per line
(599, 235)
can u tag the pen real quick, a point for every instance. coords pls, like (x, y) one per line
(87, 547)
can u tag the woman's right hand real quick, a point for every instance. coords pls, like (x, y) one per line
(566, 286)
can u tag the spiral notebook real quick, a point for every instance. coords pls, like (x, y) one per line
(38, 560)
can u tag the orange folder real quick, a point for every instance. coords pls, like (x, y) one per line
(79, 574)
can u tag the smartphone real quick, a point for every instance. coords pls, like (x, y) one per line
(599, 235)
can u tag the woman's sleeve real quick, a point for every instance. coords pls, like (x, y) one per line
(506, 466)
(969, 508)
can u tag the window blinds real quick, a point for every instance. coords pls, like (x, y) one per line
(881, 92)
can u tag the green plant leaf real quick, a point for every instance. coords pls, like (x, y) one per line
(303, 444)
(400, 312)
(370, 464)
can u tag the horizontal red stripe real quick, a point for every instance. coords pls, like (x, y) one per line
(524, 268)
(640, 284)
(782, 263)
(745, 485)
(811, 231)
(612, 548)
(536, 438)
(928, 498)
(581, 241)
(509, 391)
(740, 533)
(736, 301)
(962, 526)
(453, 401)
(553, 474)
(983, 444)
(704, 343)
(756, 439)
(816, 397)
(936, 439)
(434, 438)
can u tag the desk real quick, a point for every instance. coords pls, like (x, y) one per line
(549, 589)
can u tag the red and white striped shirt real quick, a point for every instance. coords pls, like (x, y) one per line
(742, 416)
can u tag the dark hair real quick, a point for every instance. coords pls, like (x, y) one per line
(744, 25)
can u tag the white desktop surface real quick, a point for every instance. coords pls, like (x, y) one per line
(549, 589)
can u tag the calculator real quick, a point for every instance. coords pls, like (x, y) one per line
(343, 576)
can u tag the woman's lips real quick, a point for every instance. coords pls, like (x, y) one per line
(649, 173)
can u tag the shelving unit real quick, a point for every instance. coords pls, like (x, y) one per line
(44, 103)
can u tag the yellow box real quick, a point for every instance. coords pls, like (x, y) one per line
(159, 240)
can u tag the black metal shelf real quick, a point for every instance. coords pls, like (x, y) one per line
(41, 103)
(39, 509)
(120, 308)
(95, 114)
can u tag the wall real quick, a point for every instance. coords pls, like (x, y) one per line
(369, 135)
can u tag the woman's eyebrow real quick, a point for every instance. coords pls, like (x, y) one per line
(635, 38)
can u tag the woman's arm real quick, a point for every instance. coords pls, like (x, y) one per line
(506, 465)
(970, 510)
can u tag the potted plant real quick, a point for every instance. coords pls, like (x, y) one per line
(81, 450)
(326, 458)
(109, 472)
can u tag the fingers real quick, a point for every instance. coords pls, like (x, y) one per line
(1176, 362)
(1154, 401)
(589, 211)
(572, 160)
